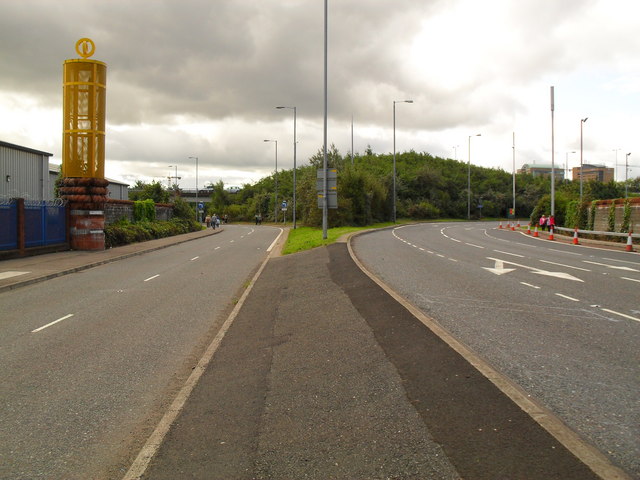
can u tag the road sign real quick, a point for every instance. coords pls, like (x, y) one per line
(332, 187)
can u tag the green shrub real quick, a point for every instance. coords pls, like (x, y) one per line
(612, 217)
(144, 210)
(423, 210)
(626, 218)
(592, 215)
(124, 232)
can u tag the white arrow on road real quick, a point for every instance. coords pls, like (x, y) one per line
(499, 270)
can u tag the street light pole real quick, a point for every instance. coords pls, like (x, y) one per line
(514, 172)
(553, 158)
(582, 121)
(469, 178)
(394, 155)
(275, 209)
(626, 175)
(566, 164)
(197, 212)
(295, 142)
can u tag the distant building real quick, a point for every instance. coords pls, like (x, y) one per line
(542, 170)
(26, 173)
(599, 173)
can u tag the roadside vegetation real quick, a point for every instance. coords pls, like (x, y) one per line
(427, 188)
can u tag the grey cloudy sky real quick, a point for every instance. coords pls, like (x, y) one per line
(202, 77)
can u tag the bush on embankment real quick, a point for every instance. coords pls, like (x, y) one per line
(125, 232)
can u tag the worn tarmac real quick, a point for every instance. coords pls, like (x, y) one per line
(324, 375)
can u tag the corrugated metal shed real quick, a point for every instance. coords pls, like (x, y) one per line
(24, 172)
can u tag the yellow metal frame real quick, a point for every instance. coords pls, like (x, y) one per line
(84, 106)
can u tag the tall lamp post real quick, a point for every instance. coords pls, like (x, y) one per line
(294, 162)
(197, 203)
(582, 121)
(394, 154)
(626, 175)
(566, 164)
(469, 178)
(176, 178)
(275, 208)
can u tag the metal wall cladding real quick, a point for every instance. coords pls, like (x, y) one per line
(23, 174)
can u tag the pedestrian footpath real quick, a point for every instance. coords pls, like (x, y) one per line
(323, 375)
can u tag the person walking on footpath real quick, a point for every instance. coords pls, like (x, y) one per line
(217, 221)
(207, 220)
(552, 222)
(213, 221)
(543, 222)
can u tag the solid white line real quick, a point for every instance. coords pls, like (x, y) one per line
(529, 285)
(52, 323)
(631, 279)
(472, 245)
(194, 258)
(151, 278)
(621, 314)
(274, 242)
(563, 265)
(507, 253)
(568, 298)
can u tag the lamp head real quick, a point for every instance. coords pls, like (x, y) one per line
(584, 119)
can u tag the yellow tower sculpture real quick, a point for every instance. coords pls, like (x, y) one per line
(84, 186)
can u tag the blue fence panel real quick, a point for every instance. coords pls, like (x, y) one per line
(8, 225)
(33, 225)
(55, 224)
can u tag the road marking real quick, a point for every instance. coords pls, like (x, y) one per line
(631, 279)
(567, 266)
(4, 275)
(194, 258)
(615, 267)
(455, 239)
(453, 259)
(441, 256)
(568, 298)
(151, 278)
(563, 275)
(529, 285)
(507, 253)
(273, 244)
(566, 253)
(621, 314)
(231, 241)
(52, 323)
(621, 261)
(421, 248)
(499, 269)
(472, 245)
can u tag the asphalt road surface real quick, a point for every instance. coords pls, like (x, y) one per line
(562, 321)
(89, 360)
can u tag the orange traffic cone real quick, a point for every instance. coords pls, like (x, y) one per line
(629, 247)
(551, 232)
(512, 226)
(575, 237)
(535, 232)
(500, 225)
(518, 223)
(529, 229)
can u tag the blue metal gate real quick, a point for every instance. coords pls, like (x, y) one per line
(44, 223)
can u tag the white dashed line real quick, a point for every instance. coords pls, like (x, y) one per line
(475, 246)
(194, 258)
(621, 314)
(529, 285)
(568, 298)
(567, 266)
(151, 278)
(631, 279)
(52, 323)
(507, 253)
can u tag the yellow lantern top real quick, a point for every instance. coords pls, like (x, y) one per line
(85, 47)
